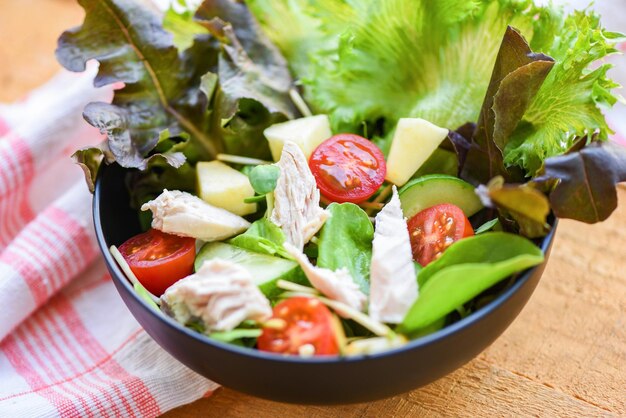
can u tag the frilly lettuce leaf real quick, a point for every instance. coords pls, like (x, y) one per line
(569, 103)
(167, 89)
(161, 89)
(366, 61)
(399, 58)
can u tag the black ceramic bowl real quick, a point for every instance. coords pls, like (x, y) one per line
(298, 380)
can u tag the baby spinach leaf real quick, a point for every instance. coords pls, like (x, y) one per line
(262, 237)
(346, 241)
(586, 181)
(263, 178)
(469, 267)
(487, 226)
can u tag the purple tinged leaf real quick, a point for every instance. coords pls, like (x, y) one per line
(521, 206)
(517, 76)
(586, 181)
(161, 87)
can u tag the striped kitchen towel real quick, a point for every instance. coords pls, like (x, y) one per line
(67, 349)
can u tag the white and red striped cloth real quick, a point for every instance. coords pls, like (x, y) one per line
(68, 345)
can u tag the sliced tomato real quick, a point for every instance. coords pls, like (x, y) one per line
(159, 259)
(302, 321)
(434, 229)
(348, 168)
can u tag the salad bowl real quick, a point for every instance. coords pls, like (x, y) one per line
(319, 380)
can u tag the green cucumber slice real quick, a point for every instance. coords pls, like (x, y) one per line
(435, 189)
(266, 270)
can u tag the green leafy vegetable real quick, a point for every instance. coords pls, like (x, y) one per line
(254, 81)
(517, 76)
(586, 181)
(525, 206)
(262, 237)
(263, 178)
(182, 26)
(346, 241)
(161, 89)
(369, 60)
(569, 103)
(469, 267)
(487, 226)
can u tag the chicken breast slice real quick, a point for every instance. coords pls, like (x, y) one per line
(220, 294)
(184, 214)
(297, 208)
(393, 284)
(337, 285)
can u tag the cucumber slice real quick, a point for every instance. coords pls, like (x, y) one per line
(266, 270)
(434, 189)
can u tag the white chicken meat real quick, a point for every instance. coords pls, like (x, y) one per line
(184, 214)
(297, 208)
(337, 285)
(220, 294)
(393, 284)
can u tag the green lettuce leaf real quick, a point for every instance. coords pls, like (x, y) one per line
(346, 241)
(398, 58)
(182, 25)
(569, 103)
(465, 270)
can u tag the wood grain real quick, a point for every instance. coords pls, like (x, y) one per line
(565, 355)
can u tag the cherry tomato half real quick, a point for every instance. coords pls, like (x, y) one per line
(159, 259)
(306, 321)
(348, 168)
(434, 229)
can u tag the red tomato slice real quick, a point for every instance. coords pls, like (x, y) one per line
(434, 229)
(306, 321)
(348, 168)
(159, 259)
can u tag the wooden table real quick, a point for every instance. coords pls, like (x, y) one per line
(564, 355)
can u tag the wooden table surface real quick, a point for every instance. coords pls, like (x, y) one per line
(565, 355)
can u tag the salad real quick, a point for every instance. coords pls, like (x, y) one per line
(338, 177)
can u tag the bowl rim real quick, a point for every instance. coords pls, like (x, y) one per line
(430, 339)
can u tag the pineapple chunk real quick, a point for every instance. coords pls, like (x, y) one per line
(307, 133)
(224, 187)
(413, 142)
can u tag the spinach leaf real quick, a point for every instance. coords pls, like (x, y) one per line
(469, 267)
(487, 226)
(346, 241)
(262, 237)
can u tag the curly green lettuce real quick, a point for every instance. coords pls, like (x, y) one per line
(368, 61)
